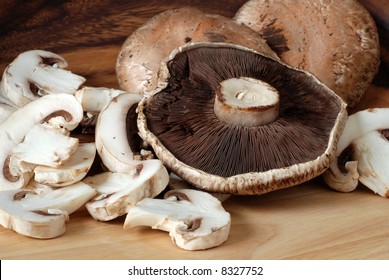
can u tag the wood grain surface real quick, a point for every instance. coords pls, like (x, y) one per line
(309, 221)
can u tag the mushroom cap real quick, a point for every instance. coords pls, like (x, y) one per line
(179, 123)
(336, 41)
(142, 53)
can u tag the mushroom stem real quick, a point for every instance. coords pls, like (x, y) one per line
(246, 102)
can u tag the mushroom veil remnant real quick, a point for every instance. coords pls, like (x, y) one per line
(337, 41)
(228, 119)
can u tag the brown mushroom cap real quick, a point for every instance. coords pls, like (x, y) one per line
(180, 124)
(336, 41)
(142, 53)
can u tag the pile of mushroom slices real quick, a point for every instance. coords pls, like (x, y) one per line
(45, 174)
(41, 164)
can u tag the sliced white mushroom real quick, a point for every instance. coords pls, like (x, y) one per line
(94, 99)
(371, 151)
(63, 107)
(194, 219)
(42, 215)
(118, 192)
(72, 170)
(41, 146)
(344, 173)
(5, 111)
(112, 141)
(36, 73)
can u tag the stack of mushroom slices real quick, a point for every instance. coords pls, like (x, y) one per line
(225, 115)
(44, 168)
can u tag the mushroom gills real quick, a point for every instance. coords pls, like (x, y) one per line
(182, 114)
(357, 151)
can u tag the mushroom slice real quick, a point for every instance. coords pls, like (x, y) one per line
(36, 73)
(222, 152)
(371, 151)
(67, 112)
(337, 41)
(118, 192)
(41, 146)
(142, 53)
(360, 131)
(116, 134)
(72, 170)
(5, 111)
(194, 219)
(93, 100)
(42, 215)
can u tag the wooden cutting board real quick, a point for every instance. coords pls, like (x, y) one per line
(309, 221)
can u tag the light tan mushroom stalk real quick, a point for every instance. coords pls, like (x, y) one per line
(246, 102)
(43, 214)
(36, 73)
(194, 219)
(111, 134)
(14, 129)
(357, 125)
